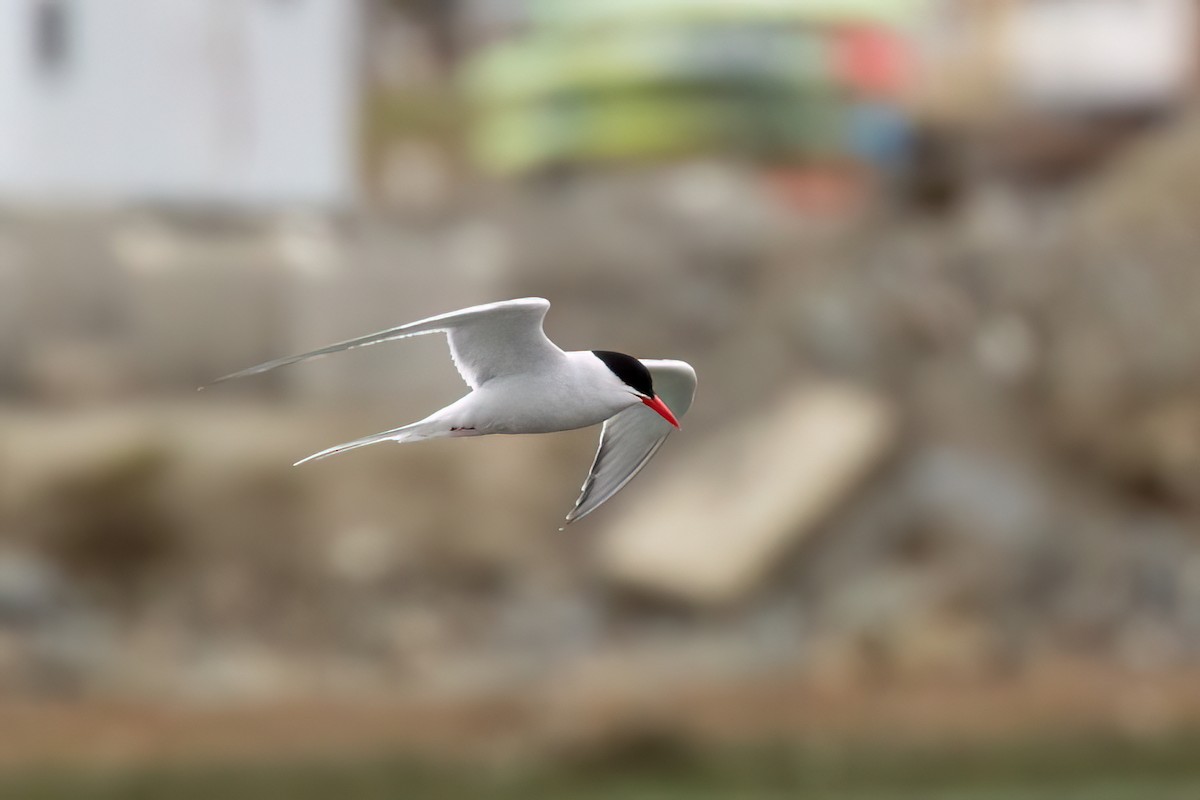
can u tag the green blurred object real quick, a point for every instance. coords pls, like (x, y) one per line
(623, 81)
(656, 123)
(538, 68)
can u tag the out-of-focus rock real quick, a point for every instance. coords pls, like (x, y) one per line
(362, 554)
(238, 669)
(1006, 348)
(908, 643)
(717, 524)
(941, 644)
(1120, 314)
(30, 589)
(71, 372)
(75, 654)
(980, 496)
(110, 525)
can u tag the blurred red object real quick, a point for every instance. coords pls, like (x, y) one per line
(873, 61)
(832, 190)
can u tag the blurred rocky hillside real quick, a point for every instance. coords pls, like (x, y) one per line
(1034, 495)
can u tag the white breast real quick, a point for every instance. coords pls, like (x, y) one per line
(574, 393)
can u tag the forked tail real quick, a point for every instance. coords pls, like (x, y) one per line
(425, 429)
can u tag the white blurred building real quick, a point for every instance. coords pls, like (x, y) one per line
(201, 102)
(1103, 54)
(989, 57)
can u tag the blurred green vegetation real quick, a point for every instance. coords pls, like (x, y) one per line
(1095, 769)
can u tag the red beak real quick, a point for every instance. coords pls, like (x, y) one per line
(661, 408)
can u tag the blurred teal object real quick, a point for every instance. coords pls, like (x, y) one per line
(880, 134)
(612, 81)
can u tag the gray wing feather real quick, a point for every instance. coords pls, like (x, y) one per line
(631, 438)
(485, 340)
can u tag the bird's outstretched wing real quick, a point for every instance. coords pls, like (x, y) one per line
(485, 341)
(629, 439)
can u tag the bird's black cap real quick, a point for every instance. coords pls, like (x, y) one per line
(628, 369)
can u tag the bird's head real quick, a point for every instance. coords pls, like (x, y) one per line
(635, 379)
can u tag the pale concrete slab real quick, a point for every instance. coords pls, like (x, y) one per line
(715, 525)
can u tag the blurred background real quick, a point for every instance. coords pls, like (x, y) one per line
(932, 527)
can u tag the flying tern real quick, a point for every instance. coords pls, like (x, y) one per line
(521, 382)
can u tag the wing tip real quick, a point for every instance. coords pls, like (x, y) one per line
(571, 516)
(580, 511)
